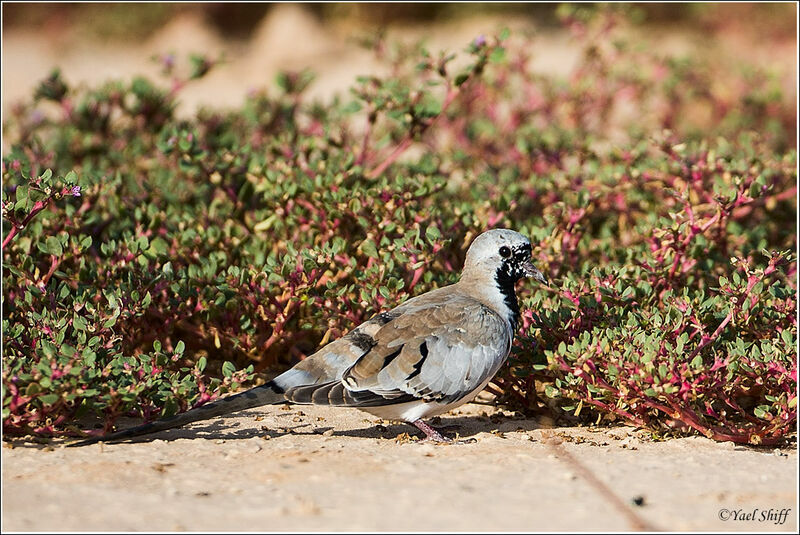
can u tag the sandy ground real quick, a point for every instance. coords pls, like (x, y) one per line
(328, 469)
(290, 38)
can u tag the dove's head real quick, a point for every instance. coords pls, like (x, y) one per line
(501, 254)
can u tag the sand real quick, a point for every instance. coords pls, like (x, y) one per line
(333, 469)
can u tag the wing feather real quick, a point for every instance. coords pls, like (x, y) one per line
(448, 351)
(434, 350)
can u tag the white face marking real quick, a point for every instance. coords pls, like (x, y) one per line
(484, 252)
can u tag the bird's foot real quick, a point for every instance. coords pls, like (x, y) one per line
(432, 435)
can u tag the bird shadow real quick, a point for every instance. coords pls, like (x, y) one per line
(230, 428)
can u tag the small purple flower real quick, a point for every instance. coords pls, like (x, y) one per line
(75, 191)
(36, 117)
(479, 41)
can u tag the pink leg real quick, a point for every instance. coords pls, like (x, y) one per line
(430, 433)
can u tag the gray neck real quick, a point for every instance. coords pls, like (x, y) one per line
(496, 291)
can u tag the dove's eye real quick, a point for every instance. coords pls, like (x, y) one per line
(505, 252)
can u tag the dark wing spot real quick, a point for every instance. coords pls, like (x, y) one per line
(423, 350)
(390, 357)
(384, 317)
(362, 341)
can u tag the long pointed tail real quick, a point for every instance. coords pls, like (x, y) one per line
(268, 394)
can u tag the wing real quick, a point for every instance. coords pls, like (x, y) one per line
(433, 350)
(329, 363)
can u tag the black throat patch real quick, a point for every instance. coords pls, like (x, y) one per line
(506, 277)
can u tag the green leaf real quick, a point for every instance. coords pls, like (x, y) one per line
(78, 322)
(787, 337)
(352, 107)
(498, 55)
(282, 81)
(170, 407)
(368, 246)
(432, 233)
(53, 246)
(228, 368)
(629, 292)
(158, 246)
(179, 347)
(48, 399)
(22, 193)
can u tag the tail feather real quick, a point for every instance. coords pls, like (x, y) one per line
(268, 394)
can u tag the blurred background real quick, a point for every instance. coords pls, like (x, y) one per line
(92, 43)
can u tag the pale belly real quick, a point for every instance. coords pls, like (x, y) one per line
(412, 411)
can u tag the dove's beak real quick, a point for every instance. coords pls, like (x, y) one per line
(531, 271)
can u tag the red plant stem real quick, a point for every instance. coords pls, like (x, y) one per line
(392, 157)
(54, 263)
(692, 233)
(365, 144)
(416, 277)
(744, 210)
(619, 412)
(690, 418)
(709, 339)
(37, 207)
(452, 93)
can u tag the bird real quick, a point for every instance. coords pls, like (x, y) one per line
(430, 354)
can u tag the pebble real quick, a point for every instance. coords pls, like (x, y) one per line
(427, 449)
